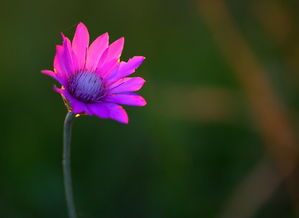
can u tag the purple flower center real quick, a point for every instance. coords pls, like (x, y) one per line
(86, 86)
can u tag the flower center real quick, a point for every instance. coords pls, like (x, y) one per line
(86, 86)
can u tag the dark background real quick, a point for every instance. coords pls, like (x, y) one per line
(218, 137)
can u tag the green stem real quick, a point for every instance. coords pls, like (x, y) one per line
(67, 164)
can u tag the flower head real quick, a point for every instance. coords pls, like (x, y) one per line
(93, 79)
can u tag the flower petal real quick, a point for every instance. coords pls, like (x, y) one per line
(115, 49)
(80, 44)
(96, 50)
(108, 68)
(58, 77)
(70, 53)
(109, 111)
(128, 84)
(77, 107)
(131, 99)
(111, 54)
(125, 69)
(63, 61)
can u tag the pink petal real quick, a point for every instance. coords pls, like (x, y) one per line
(111, 54)
(109, 111)
(63, 61)
(125, 69)
(131, 99)
(115, 49)
(80, 44)
(68, 48)
(58, 63)
(128, 84)
(108, 68)
(77, 107)
(96, 50)
(58, 77)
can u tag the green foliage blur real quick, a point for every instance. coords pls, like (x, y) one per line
(184, 154)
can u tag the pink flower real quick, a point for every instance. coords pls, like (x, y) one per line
(93, 80)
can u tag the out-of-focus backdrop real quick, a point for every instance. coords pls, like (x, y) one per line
(218, 138)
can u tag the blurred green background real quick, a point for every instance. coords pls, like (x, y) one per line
(218, 137)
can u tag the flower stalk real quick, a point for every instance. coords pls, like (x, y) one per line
(67, 164)
(93, 82)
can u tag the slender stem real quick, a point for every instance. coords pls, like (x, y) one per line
(67, 164)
